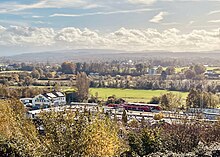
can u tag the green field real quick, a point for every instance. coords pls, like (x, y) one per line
(132, 95)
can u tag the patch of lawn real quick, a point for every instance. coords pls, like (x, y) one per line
(132, 95)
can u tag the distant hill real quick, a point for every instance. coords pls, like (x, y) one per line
(84, 55)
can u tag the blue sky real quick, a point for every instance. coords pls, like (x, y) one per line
(172, 25)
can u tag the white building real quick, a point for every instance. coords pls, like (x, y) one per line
(55, 98)
(45, 100)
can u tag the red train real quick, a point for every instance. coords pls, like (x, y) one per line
(137, 107)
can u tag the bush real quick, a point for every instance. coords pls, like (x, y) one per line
(158, 116)
(144, 142)
(154, 100)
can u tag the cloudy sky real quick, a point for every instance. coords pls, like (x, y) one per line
(134, 25)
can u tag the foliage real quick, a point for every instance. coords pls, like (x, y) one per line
(199, 69)
(68, 134)
(124, 117)
(182, 137)
(113, 100)
(154, 100)
(170, 70)
(190, 74)
(170, 101)
(82, 85)
(133, 123)
(19, 134)
(28, 92)
(144, 142)
(158, 116)
(65, 133)
(62, 133)
(68, 68)
(101, 138)
(200, 99)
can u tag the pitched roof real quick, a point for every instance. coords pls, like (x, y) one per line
(53, 95)
(58, 94)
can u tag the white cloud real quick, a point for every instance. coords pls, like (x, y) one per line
(170, 23)
(2, 29)
(124, 39)
(101, 13)
(10, 7)
(36, 16)
(191, 22)
(146, 2)
(214, 21)
(159, 17)
(214, 12)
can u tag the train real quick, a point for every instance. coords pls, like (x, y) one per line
(137, 107)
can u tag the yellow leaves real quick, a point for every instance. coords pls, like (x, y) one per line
(7, 119)
(101, 138)
(14, 127)
(66, 134)
(158, 116)
(133, 123)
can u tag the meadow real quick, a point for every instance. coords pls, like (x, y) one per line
(132, 95)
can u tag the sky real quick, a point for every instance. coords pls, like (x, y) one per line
(132, 25)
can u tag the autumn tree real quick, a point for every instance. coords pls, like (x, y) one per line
(81, 134)
(101, 138)
(28, 81)
(144, 141)
(193, 99)
(189, 74)
(82, 86)
(199, 69)
(124, 117)
(17, 134)
(63, 134)
(201, 99)
(154, 100)
(170, 101)
(68, 68)
(159, 70)
(170, 70)
(35, 74)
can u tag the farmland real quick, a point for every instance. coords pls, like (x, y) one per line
(132, 95)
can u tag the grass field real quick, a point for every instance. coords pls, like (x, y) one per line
(132, 95)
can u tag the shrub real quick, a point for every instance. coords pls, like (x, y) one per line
(144, 142)
(158, 116)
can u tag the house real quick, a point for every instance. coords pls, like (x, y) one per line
(45, 100)
(41, 101)
(55, 98)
